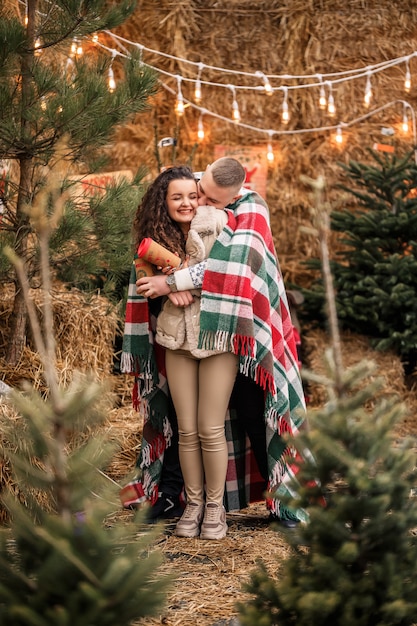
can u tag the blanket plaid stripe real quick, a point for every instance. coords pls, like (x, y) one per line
(244, 309)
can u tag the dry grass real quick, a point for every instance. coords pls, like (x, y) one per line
(209, 575)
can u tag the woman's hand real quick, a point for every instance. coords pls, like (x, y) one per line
(152, 286)
(155, 286)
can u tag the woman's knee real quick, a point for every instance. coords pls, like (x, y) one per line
(189, 440)
(212, 438)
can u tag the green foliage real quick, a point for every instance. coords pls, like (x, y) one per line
(375, 275)
(355, 562)
(50, 99)
(69, 567)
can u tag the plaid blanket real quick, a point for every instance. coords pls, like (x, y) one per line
(244, 309)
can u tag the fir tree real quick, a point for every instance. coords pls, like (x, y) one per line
(61, 564)
(47, 95)
(355, 561)
(375, 274)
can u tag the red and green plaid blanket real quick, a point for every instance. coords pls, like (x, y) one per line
(244, 309)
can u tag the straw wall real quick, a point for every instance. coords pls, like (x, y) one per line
(275, 37)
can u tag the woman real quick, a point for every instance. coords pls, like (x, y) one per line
(200, 380)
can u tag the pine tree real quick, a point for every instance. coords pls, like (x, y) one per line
(47, 96)
(375, 274)
(60, 563)
(355, 561)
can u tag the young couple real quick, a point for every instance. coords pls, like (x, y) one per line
(225, 313)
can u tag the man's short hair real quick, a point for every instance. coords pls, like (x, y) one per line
(228, 172)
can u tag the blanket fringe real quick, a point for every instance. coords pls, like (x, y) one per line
(126, 363)
(224, 341)
(249, 367)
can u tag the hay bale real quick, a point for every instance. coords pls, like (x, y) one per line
(85, 329)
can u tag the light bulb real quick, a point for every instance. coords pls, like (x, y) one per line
(407, 81)
(38, 44)
(339, 135)
(79, 51)
(197, 88)
(331, 109)
(368, 91)
(73, 49)
(95, 38)
(267, 86)
(322, 98)
(111, 83)
(405, 122)
(285, 116)
(197, 91)
(270, 153)
(179, 105)
(200, 130)
(235, 112)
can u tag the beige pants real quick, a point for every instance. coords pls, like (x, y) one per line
(200, 391)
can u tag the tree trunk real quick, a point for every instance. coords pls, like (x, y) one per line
(17, 329)
(19, 315)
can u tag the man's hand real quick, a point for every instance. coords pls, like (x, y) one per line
(154, 286)
(181, 298)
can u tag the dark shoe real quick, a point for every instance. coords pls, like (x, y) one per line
(166, 507)
(285, 523)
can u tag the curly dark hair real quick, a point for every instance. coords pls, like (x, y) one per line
(152, 219)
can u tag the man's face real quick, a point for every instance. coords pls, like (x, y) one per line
(211, 194)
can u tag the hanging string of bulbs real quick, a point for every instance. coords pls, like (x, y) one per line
(263, 83)
(324, 82)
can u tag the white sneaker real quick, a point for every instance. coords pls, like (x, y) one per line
(189, 524)
(214, 524)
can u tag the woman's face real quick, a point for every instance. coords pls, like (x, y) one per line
(182, 201)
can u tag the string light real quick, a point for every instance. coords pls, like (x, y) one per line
(368, 91)
(349, 74)
(26, 13)
(331, 106)
(339, 135)
(285, 116)
(200, 129)
(37, 45)
(235, 106)
(179, 104)
(407, 81)
(267, 85)
(331, 109)
(322, 97)
(197, 89)
(111, 83)
(405, 127)
(269, 151)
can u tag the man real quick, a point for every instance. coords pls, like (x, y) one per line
(244, 302)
